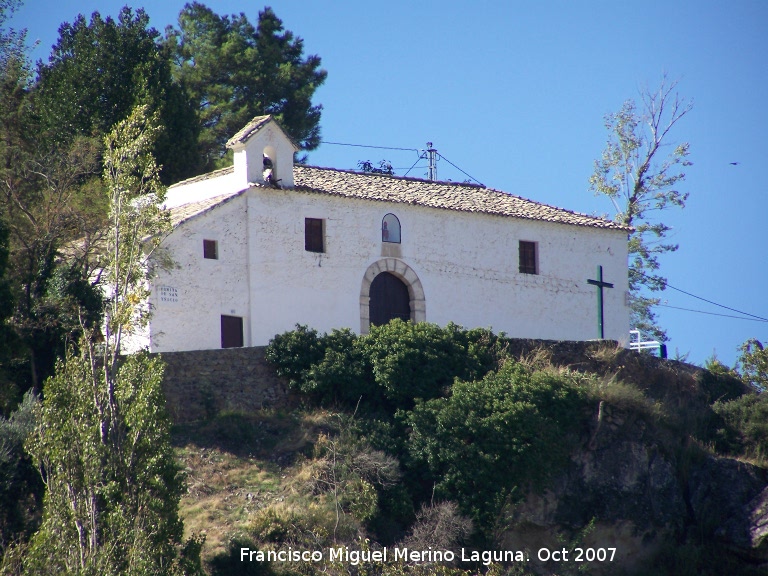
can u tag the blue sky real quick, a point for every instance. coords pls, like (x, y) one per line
(514, 93)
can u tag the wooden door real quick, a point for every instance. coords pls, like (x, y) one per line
(231, 332)
(389, 299)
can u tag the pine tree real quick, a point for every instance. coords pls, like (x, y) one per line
(234, 72)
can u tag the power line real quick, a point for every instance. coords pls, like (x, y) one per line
(412, 167)
(369, 146)
(421, 156)
(668, 285)
(462, 171)
(712, 313)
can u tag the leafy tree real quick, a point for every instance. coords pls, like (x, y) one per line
(11, 41)
(45, 212)
(235, 71)
(640, 180)
(384, 167)
(21, 490)
(103, 441)
(99, 71)
(45, 207)
(754, 364)
(6, 310)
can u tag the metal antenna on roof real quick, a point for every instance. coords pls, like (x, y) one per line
(432, 157)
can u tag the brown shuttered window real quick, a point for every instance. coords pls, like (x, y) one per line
(528, 257)
(313, 235)
(210, 250)
(231, 332)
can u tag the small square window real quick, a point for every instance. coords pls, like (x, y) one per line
(210, 249)
(528, 258)
(313, 235)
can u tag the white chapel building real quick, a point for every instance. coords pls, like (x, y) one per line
(265, 244)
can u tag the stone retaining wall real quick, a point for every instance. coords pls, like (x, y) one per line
(201, 383)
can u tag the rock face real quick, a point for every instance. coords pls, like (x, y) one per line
(627, 489)
(731, 498)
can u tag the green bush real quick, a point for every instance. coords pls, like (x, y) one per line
(508, 430)
(229, 563)
(21, 488)
(746, 425)
(294, 353)
(327, 368)
(343, 375)
(422, 360)
(397, 362)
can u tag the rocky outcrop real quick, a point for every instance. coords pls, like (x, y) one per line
(629, 489)
(730, 498)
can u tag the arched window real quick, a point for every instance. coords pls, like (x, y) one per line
(390, 229)
(269, 171)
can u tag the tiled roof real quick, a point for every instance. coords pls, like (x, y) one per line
(184, 212)
(381, 187)
(208, 176)
(254, 126)
(247, 130)
(447, 195)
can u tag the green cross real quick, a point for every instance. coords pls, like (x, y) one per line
(600, 285)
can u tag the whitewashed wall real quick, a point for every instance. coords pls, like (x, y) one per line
(467, 264)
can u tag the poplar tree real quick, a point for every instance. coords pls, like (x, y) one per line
(102, 441)
(641, 180)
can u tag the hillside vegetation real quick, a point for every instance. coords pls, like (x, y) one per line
(446, 440)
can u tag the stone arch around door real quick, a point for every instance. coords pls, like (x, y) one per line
(401, 270)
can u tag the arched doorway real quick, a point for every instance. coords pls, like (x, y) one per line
(391, 269)
(389, 299)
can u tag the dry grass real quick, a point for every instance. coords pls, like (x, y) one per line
(239, 466)
(537, 359)
(606, 352)
(223, 492)
(624, 396)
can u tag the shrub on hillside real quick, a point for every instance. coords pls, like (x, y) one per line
(399, 361)
(754, 364)
(327, 368)
(21, 488)
(293, 354)
(422, 360)
(511, 429)
(414, 360)
(342, 376)
(745, 432)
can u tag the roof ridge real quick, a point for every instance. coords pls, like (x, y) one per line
(184, 212)
(204, 176)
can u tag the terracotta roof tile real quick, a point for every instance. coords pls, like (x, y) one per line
(184, 212)
(247, 130)
(202, 177)
(446, 195)
(380, 187)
